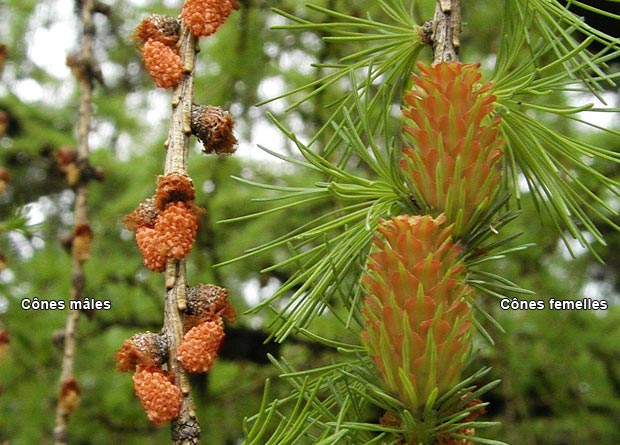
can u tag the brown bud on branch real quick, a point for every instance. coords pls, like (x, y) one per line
(214, 128)
(144, 349)
(161, 28)
(69, 396)
(4, 117)
(173, 187)
(207, 302)
(5, 179)
(4, 342)
(3, 55)
(81, 243)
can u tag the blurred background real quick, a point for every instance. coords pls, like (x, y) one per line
(560, 370)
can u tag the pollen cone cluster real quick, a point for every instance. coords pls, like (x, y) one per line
(146, 354)
(417, 323)
(158, 35)
(166, 224)
(200, 346)
(172, 236)
(176, 228)
(162, 63)
(204, 17)
(453, 163)
(159, 396)
(207, 308)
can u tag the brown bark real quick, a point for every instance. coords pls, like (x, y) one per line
(446, 31)
(185, 427)
(84, 70)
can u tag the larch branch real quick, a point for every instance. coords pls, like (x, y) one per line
(185, 427)
(446, 31)
(85, 73)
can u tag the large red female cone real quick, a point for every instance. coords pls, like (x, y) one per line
(456, 147)
(417, 323)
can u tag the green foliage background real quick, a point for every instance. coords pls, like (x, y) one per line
(560, 371)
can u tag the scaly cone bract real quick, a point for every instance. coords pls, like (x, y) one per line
(453, 164)
(417, 322)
